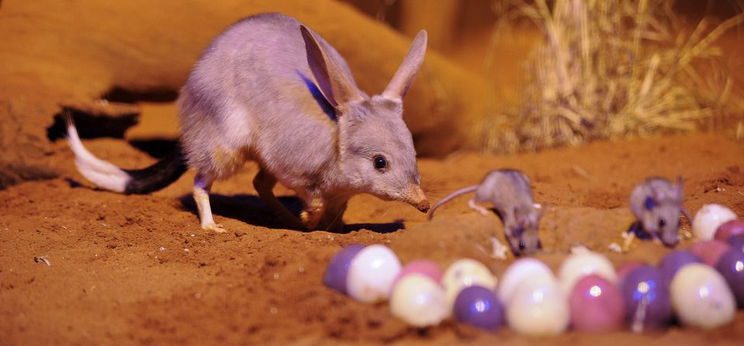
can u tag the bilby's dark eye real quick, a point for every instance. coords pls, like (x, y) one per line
(380, 162)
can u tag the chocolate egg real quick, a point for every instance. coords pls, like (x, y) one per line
(728, 229)
(522, 269)
(465, 273)
(371, 273)
(480, 307)
(596, 305)
(647, 302)
(701, 297)
(709, 250)
(338, 269)
(418, 300)
(538, 308)
(731, 267)
(736, 242)
(708, 218)
(671, 262)
(584, 263)
(424, 267)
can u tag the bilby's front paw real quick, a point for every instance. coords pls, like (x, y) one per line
(212, 226)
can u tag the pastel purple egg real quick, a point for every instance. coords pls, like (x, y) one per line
(731, 267)
(674, 260)
(338, 269)
(710, 250)
(596, 305)
(728, 229)
(626, 268)
(736, 242)
(424, 267)
(480, 307)
(647, 301)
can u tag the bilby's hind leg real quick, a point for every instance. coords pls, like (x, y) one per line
(202, 185)
(264, 184)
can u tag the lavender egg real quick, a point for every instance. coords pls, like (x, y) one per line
(371, 274)
(480, 307)
(626, 268)
(338, 269)
(701, 297)
(419, 301)
(731, 267)
(674, 260)
(710, 250)
(729, 229)
(708, 218)
(596, 305)
(736, 242)
(424, 267)
(647, 302)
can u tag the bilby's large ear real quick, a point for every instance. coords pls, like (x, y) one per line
(334, 82)
(403, 78)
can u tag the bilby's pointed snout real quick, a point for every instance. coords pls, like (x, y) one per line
(416, 197)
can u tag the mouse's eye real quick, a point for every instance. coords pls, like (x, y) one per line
(649, 203)
(380, 162)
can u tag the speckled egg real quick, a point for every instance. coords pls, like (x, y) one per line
(464, 273)
(538, 308)
(419, 301)
(708, 218)
(710, 250)
(522, 269)
(671, 262)
(422, 266)
(596, 305)
(647, 302)
(584, 263)
(338, 269)
(731, 267)
(371, 273)
(480, 307)
(728, 229)
(701, 297)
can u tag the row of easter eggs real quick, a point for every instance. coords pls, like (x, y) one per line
(588, 294)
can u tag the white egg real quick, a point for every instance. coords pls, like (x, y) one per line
(521, 270)
(581, 264)
(419, 300)
(538, 308)
(371, 273)
(701, 297)
(464, 273)
(708, 218)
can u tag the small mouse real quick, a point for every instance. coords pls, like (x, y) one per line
(657, 206)
(510, 195)
(273, 91)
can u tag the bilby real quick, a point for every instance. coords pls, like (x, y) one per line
(509, 193)
(271, 90)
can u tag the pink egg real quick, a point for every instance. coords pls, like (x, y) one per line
(596, 305)
(625, 268)
(728, 229)
(710, 250)
(424, 267)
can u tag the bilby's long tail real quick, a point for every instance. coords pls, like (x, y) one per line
(450, 197)
(106, 175)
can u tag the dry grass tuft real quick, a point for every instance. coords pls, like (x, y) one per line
(612, 69)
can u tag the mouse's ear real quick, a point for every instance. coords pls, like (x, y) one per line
(678, 188)
(334, 81)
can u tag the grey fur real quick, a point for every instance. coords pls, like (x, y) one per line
(665, 198)
(510, 194)
(251, 97)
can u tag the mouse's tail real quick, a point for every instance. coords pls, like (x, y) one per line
(450, 197)
(110, 177)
